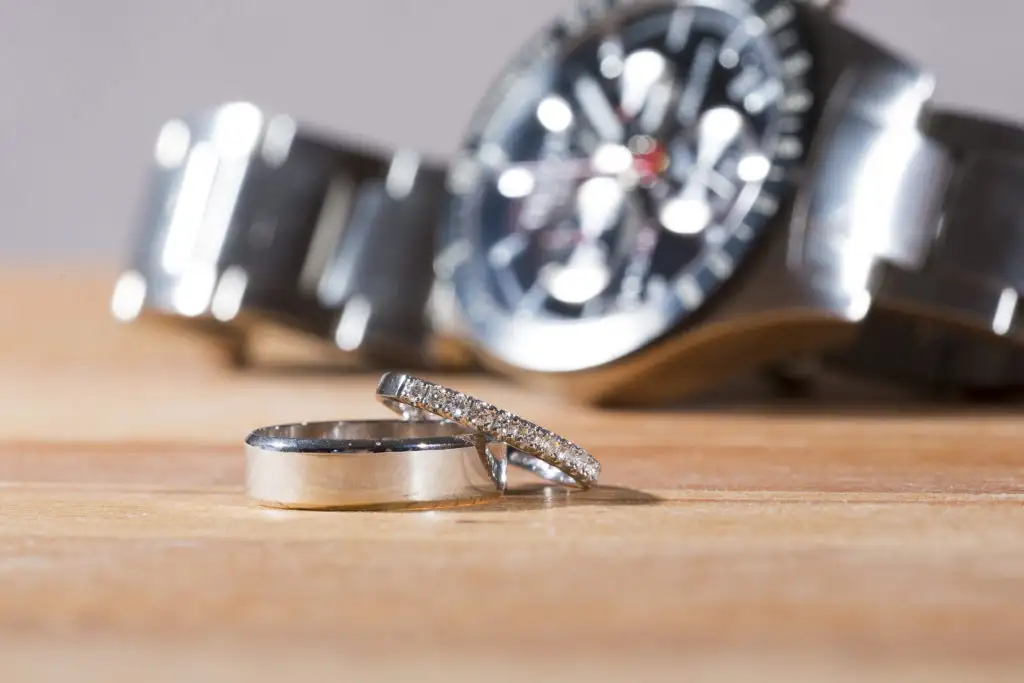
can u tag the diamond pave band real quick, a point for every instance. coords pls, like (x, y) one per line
(408, 392)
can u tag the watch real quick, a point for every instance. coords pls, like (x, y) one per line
(656, 195)
(254, 221)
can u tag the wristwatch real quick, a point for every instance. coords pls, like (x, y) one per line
(654, 196)
(254, 221)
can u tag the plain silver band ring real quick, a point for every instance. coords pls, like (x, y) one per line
(370, 464)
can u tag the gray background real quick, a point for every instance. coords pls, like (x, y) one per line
(86, 84)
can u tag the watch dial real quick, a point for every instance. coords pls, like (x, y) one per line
(618, 176)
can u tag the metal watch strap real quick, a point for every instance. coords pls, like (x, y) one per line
(251, 214)
(957, 322)
(367, 259)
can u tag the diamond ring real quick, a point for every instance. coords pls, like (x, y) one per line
(553, 456)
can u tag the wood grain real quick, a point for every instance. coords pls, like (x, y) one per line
(731, 540)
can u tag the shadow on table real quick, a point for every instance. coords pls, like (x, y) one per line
(756, 396)
(530, 497)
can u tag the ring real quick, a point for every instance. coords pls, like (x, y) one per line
(531, 446)
(370, 464)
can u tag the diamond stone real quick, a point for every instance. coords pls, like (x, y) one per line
(413, 390)
(485, 416)
(460, 406)
(438, 400)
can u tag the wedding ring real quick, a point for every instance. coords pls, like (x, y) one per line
(531, 446)
(371, 464)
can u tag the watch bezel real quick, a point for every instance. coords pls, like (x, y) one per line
(566, 345)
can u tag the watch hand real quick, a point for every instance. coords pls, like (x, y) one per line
(599, 201)
(641, 71)
(642, 239)
(659, 99)
(689, 211)
(586, 273)
(697, 83)
(717, 130)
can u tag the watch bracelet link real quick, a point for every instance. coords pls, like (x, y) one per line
(957, 324)
(346, 291)
(292, 227)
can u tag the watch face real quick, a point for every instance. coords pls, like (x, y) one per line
(619, 175)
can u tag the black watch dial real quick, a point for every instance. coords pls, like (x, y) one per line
(617, 177)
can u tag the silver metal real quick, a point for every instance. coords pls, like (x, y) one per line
(532, 447)
(884, 220)
(254, 216)
(370, 464)
(952, 317)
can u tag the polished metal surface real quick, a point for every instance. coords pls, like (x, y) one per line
(253, 216)
(560, 460)
(370, 464)
(953, 319)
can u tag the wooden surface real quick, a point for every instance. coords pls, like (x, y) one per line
(821, 542)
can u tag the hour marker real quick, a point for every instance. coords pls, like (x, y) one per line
(745, 83)
(516, 183)
(766, 205)
(764, 96)
(790, 148)
(721, 264)
(657, 288)
(578, 282)
(797, 102)
(492, 156)
(505, 251)
(657, 107)
(697, 83)
(753, 168)
(612, 159)
(754, 26)
(729, 55)
(744, 233)
(689, 292)
(790, 124)
(797, 64)
(729, 58)
(679, 30)
(463, 176)
(555, 114)
(786, 40)
(453, 256)
(611, 59)
(685, 216)
(716, 235)
(780, 16)
(598, 110)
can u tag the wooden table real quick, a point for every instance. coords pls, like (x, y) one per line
(816, 542)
